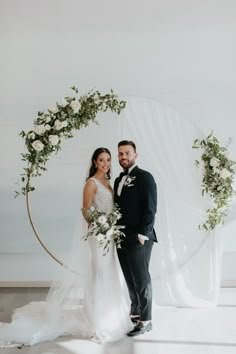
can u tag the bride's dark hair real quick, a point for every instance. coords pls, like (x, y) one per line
(93, 167)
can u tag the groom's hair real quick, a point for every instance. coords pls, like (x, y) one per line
(127, 142)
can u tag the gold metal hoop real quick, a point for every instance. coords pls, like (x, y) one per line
(38, 237)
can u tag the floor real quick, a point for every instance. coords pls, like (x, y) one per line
(176, 330)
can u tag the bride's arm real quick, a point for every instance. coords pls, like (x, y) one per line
(90, 189)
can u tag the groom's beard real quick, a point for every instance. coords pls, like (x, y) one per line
(127, 164)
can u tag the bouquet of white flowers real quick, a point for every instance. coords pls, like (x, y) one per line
(104, 227)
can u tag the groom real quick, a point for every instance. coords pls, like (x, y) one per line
(136, 194)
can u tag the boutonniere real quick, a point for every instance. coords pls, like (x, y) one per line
(129, 180)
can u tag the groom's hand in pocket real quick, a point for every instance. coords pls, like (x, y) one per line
(141, 240)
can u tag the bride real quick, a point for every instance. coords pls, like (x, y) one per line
(92, 305)
(110, 312)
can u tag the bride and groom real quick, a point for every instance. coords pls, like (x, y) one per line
(102, 310)
(136, 195)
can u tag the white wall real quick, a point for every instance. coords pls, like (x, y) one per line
(180, 52)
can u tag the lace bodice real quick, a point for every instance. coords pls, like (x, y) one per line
(103, 200)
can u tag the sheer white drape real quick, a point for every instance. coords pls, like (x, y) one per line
(187, 266)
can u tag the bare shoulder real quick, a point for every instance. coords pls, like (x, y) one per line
(90, 185)
(90, 190)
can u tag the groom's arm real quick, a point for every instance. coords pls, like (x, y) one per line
(148, 194)
(115, 187)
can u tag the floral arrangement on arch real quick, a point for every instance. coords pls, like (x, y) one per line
(218, 176)
(58, 123)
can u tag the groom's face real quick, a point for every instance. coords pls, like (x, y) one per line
(126, 156)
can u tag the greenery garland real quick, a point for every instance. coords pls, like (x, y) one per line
(58, 123)
(219, 171)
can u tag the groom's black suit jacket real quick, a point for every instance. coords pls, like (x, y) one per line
(137, 202)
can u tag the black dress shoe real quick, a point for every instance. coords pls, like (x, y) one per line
(140, 328)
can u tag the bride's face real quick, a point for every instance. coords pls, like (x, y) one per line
(103, 162)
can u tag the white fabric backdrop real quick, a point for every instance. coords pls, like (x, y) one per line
(189, 260)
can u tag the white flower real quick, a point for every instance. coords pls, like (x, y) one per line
(214, 162)
(64, 102)
(75, 105)
(96, 98)
(31, 136)
(104, 106)
(225, 173)
(216, 170)
(47, 127)
(100, 237)
(65, 124)
(37, 145)
(227, 155)
(129, 180)
(48, 119)
(58, 124)
(53, 139)
(53, 109)
(102, 219)
(109, 233)
(40, 129)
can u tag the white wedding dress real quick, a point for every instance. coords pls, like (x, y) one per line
(94, 307)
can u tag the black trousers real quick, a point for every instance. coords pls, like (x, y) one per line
(134, 260)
